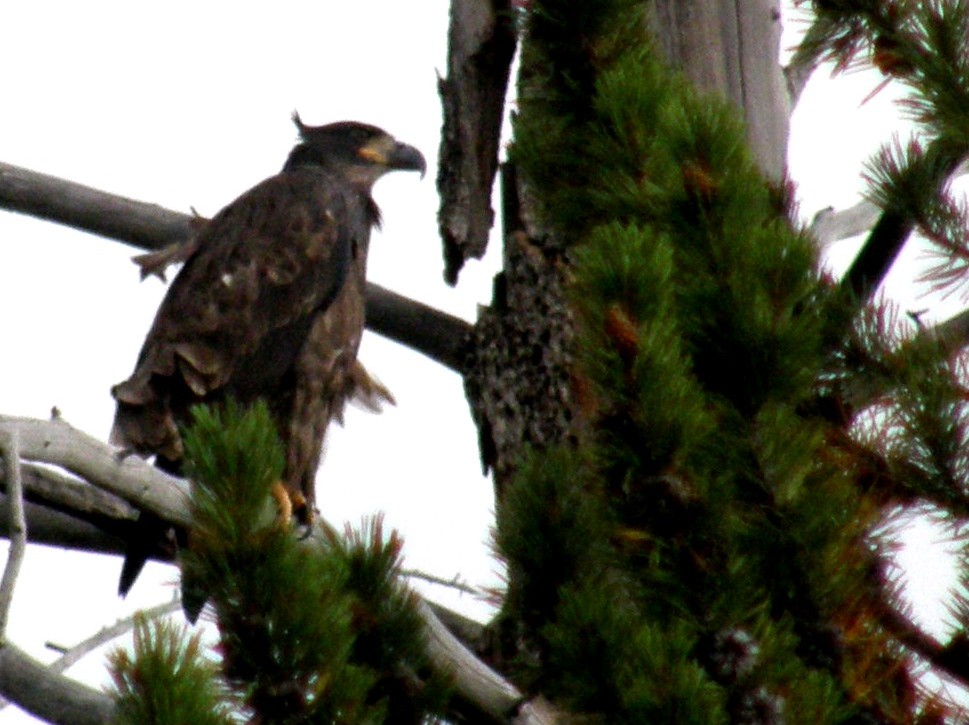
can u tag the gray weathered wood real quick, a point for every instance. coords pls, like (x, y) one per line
(731, 47)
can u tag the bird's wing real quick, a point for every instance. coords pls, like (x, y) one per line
(236, 314)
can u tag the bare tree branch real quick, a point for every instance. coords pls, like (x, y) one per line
(10, 448)
(475, 682)
(57, 528)
(129, 477)
(796, 77)
(71, 494)
(830, 225)
(115, 217)
(47, 695)
(66, 512)
(440, 336)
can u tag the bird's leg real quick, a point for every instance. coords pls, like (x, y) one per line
(290, 503)
(284, 503)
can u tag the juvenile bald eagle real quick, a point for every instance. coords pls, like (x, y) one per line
(269, 305)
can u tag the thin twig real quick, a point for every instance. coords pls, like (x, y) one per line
(452, 583)
(10, 447)
(73, 654)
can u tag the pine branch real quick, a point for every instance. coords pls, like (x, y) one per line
(950, 658)
(74, 654)
(440, 336)
(919, 46)
(480, 689)
(905, 181)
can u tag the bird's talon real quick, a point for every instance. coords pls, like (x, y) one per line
(300, 508)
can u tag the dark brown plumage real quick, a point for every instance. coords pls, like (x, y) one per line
(269, 305)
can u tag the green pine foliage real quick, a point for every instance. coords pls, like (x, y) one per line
(714, 549)
(167, 679)
(318, 630)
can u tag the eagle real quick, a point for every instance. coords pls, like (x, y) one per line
(269, 305)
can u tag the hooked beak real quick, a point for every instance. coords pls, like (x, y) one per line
(406, 158)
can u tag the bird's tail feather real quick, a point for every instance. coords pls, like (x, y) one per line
(150, 538)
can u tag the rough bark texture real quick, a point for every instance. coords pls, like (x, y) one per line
(731, 47)
(518, 378)
(481, 43)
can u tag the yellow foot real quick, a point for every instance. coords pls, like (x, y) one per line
(290, 503)
(285, 505)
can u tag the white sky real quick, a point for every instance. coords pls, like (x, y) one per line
(188, 106)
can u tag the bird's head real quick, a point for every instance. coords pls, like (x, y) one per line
(361, 152)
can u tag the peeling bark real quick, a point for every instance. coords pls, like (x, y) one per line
(481, 44)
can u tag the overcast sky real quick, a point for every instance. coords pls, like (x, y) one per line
(188, 107)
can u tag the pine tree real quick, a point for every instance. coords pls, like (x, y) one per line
(713, 549)
(710, 546)
(699, 526)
